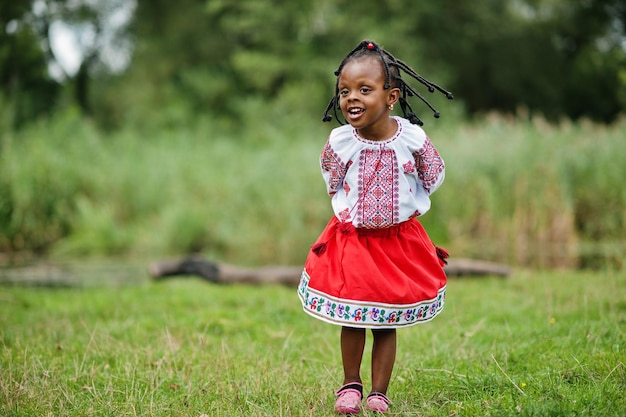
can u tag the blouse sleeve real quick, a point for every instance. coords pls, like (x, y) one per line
(333, 169)
(430, 166)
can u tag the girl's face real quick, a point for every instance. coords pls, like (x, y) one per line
(363, 99)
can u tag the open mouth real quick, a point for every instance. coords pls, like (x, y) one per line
(355, 111)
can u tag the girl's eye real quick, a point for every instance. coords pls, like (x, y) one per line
(343, 92)
(365, 90)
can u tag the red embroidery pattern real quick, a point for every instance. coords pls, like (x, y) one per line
(378, 188)
(344, 216)
(429, 164)
(330, 162)
(409, 167)
(346, 187)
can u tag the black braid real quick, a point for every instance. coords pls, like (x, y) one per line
(393, 68)
(384, 61)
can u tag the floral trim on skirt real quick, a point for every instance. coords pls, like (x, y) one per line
(367, 315)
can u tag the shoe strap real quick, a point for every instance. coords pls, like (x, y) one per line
(355, 386)
(379, 395)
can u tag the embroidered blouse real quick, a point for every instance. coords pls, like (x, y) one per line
(376, 184)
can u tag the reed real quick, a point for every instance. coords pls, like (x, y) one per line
(519, 191)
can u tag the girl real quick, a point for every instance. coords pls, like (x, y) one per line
(374, 267)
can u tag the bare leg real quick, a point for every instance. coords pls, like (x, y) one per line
(352, 346)
(383, 358)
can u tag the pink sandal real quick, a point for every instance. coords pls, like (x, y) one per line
(378, 402)
(349, 398)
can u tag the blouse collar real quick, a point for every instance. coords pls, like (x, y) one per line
(399, 123)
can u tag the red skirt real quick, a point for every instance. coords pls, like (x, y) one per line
(373, 278)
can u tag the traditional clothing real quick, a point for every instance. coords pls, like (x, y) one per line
(374, 265)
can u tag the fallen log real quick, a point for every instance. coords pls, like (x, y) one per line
(221, 273)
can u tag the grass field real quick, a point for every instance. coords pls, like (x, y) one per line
(536, 344)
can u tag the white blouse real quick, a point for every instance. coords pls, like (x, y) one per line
(376, 184)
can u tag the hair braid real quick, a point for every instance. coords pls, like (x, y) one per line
(389, 62)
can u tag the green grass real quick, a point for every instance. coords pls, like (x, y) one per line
(537, 344)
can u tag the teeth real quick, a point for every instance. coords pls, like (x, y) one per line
(355, 111)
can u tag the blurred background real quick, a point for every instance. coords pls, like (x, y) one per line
(145, 129)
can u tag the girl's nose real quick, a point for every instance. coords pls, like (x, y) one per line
(352, 95)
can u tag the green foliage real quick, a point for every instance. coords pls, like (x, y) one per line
(536, 344)
(554, 58)
(38, 183)
(533, 193)
(193, 58)
(523, 193)
(72, 190)
(25, 84)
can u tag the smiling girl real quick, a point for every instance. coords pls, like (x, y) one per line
(374, 266)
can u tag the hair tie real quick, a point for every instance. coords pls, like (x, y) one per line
(370, 46)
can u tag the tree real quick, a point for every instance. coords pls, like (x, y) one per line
(24, 79)
(32, 74)
(551, 57)
(210, 56)
(556, 58)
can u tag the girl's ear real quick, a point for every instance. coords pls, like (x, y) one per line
(393, 95)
